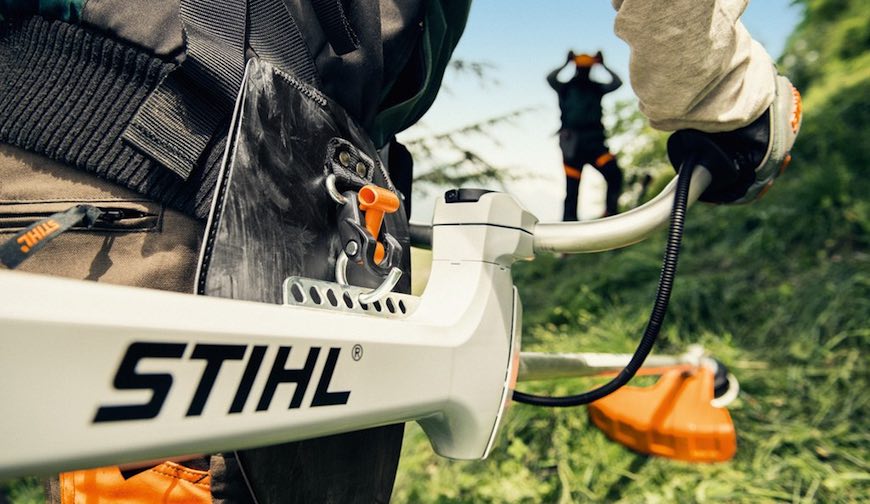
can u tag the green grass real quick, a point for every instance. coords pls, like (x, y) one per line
(801, 417)
(778, 290)
(22, 491)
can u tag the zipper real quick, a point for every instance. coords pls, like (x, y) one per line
(112, 217)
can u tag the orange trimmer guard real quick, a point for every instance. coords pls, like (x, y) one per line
(673, 418)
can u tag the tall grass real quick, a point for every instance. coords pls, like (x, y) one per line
(779, 290)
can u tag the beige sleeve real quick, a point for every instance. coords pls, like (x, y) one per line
(693, 63)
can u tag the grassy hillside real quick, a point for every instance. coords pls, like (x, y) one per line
(779, 290)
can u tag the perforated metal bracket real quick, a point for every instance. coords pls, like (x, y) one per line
(310, 293)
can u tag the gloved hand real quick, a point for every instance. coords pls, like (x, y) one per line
(744, 162)
(571, 56)
(599, 57)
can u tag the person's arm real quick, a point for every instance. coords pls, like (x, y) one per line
(678, 48)
(615, 81)
(553, 77)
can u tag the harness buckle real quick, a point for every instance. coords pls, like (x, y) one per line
(360, 222)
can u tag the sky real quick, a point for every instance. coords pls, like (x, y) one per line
(523, 41)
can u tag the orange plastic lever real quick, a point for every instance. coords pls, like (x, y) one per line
(375, 202)
(673, 418)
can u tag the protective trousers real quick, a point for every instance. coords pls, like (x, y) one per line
(578, 150)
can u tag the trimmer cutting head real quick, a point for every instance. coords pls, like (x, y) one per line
(682, 416)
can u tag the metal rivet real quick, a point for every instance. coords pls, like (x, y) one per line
(351, 248)
(361, 169)
(344, 158)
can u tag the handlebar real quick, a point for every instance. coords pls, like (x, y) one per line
(421, 234)
(619, 230)
(600, 234)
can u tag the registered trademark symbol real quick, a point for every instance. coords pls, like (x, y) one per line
(357, 352)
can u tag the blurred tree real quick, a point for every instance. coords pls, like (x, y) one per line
(450, 161)
(447, 158)
(640, 150)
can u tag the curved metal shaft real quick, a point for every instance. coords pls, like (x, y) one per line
(549, 366)
(620, 230)
(377, 294)
(600, 234)
(421, 235)
(545, 366)
(382, 290)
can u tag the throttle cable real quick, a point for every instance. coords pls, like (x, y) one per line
(653, 327)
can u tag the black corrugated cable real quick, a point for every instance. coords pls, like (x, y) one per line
(663, 295)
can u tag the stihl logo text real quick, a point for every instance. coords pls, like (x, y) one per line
(160, 384)
(29, 239)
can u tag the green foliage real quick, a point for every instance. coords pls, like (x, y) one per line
(640, 150)
(639, 145)
(22, 491)
(828, 51)
(779, 290)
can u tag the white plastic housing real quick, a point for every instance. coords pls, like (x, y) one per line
(450, 364)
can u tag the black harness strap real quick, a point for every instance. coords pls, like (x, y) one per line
(276, 38)
(336, 26)
(215, 44)
(37, 235)
(176, 123)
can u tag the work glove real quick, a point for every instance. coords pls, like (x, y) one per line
(744, 162)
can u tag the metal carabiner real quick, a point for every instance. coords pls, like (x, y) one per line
(377, 293)
(333, 190)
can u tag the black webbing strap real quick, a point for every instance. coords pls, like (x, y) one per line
(37, 235)
(336, 26)
(175, 124)
(215, 44)
(177, 121)
(275, 37)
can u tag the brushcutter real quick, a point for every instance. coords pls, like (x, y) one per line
(143, 374)
(194, 374)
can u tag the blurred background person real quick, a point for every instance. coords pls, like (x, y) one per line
(581, 137)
